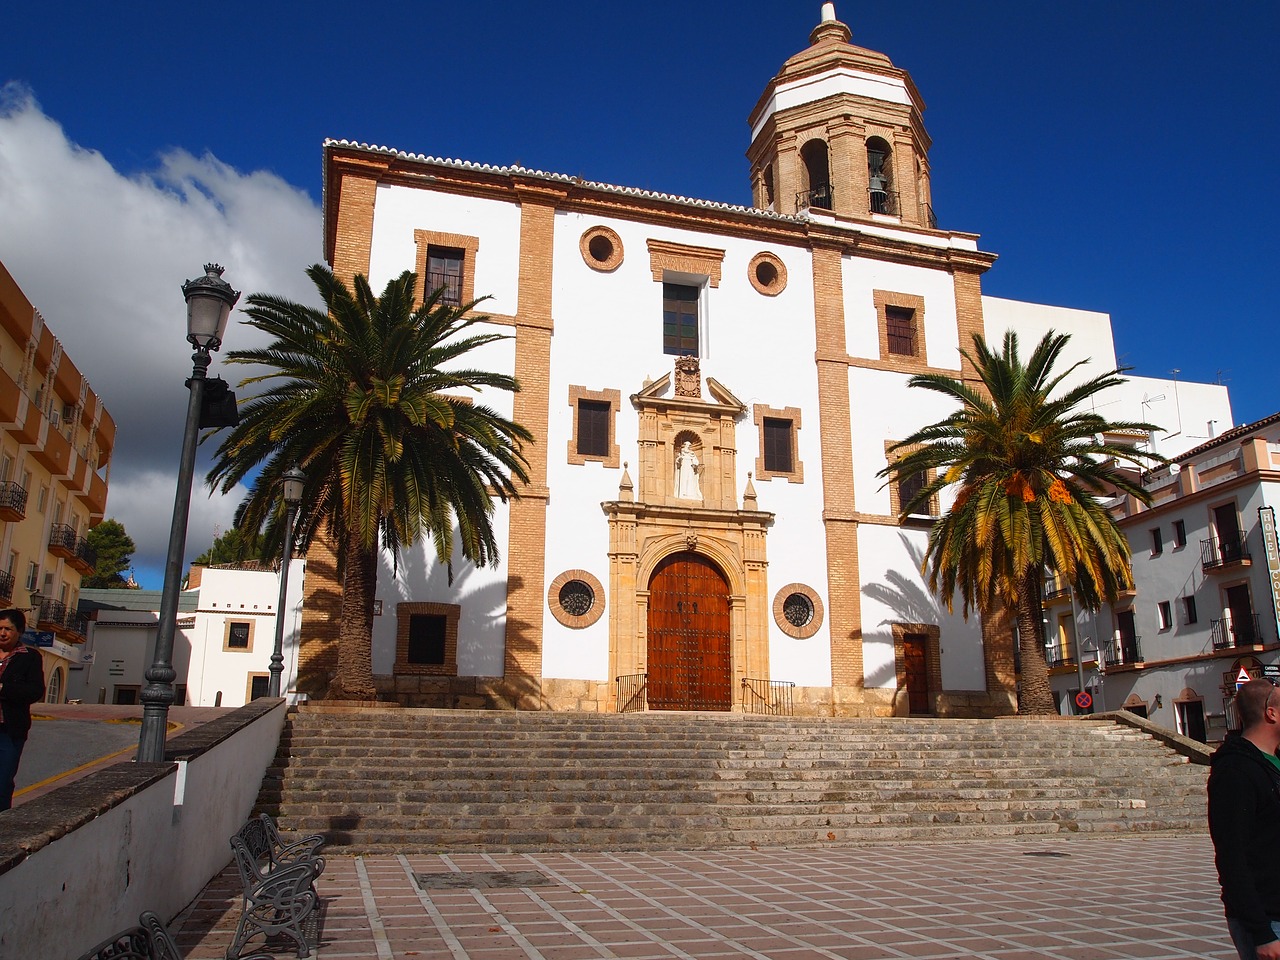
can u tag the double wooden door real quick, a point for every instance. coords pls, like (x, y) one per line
(690, 661)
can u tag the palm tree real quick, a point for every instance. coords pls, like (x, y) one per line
(368, 397)
(1031, 467)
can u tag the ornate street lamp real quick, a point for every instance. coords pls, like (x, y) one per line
(209, 302)
(292, 496)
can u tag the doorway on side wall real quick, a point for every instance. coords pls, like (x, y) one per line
(689, 653)
(915, 651)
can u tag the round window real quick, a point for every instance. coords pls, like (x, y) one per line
(601, 248)
(798, 609)
(577, 598)
(767, 273)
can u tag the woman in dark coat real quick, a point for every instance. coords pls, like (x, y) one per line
(21, 684)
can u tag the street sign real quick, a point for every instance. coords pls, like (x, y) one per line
(38, 638)
(1271, 671)
(1083, 700)
(1242, 678)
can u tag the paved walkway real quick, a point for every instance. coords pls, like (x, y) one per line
(1154, 898)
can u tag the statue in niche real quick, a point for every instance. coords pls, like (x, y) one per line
(687, 470)
(688, 377)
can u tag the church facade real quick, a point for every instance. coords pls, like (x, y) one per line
(713, 389)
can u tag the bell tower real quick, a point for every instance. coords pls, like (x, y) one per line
(840, 128)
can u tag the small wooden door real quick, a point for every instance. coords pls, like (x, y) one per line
(690, 666)
(915, 659)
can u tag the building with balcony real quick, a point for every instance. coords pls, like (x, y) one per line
(56, 438)
(1206, 598)
(221, 650)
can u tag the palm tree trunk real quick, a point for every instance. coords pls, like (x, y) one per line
(354, 680)
(1035, 698)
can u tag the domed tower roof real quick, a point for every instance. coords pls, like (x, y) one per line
(840, 128)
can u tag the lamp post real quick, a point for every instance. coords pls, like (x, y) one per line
(292, 495)
(209, 302)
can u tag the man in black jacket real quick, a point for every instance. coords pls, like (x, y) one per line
(1244, 821)
(21, 684)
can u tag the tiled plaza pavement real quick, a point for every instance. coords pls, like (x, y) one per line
(1060, 899)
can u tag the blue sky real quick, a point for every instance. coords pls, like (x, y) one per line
(1118, 156)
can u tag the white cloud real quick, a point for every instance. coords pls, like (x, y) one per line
(103, 257)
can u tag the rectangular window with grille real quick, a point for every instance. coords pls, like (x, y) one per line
(680, 319)
(900, 325)
(238, 636)
(593, 428)
(426, 638)
(444, 269)
(778, 436)
(258, 686)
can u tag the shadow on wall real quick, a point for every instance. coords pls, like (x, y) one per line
(908, 602)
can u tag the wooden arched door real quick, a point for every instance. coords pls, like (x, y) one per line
(690, 664)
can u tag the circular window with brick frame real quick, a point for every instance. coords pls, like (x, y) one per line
(797, 610)
(767, 273)
(601, 249)
(576, 599)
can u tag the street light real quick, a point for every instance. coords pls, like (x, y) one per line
(292, 496)
(209, 302)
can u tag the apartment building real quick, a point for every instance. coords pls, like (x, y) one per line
(56, 438)
(1205, 611)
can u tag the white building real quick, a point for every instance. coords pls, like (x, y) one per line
(222, 649)
(1207, 578)
(774, 343)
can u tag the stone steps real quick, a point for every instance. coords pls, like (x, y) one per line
(426, 780)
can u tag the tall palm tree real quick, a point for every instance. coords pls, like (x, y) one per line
(1030, 467)
(368, 397)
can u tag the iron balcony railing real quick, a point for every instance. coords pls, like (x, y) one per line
(13, 497)
(53, 612)
(1124, 650)
(76, 623)
(62, 537)
(819, 196)
(1216, 552)
(632, 692)
(884, 201)
(6, 586)
(928, 217)
(1060, 656)
(771, 697)
(86, 553)
(1236, 631)
(1056, 593)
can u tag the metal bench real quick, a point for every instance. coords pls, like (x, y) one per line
(277, 882)
(147, 941)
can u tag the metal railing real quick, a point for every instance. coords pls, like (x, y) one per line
(928, 217)
(1216, 552)
(883, 201)
(771, 697)
(6, 586)
(451, 282)
(632, 692)
(86, 553)
(1060, 656)
(1125, 650)
(62, 537)
(53, 612)
(13, 497)
(819, 196)
(1236, 631)
(1058, 593)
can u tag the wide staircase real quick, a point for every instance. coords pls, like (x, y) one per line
(409, 780)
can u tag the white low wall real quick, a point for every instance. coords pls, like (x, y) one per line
(155, 849)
